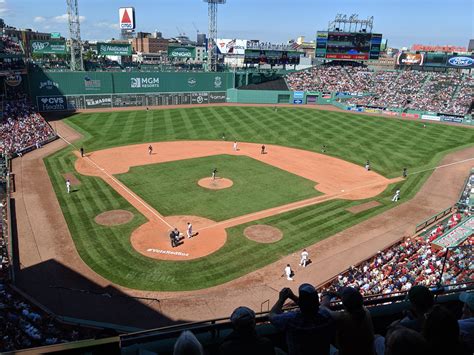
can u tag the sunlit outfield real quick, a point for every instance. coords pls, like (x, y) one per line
(389, 144)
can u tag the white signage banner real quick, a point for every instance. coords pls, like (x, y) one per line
(231, 46)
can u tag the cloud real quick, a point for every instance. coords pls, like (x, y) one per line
(39, 19)
(64, 18)
(3, 7)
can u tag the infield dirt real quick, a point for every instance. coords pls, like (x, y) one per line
(47, 255)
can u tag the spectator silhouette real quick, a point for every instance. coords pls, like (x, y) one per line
(244, 338)
(187, 344)
(466, 323)
(309, 329)
(441, 330)
(354, 328)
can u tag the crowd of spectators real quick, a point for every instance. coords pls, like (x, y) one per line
(9, 64)
(413, 261)
(9, 46)
(22, 127)
(450, 92)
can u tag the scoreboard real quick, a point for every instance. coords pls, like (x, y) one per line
(348, 45)
(272, 57)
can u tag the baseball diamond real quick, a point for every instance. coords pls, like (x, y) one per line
(165, 194)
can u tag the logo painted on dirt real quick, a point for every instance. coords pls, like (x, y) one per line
(217, 82)
(170, 252)
(192, 82)
(136, 83)
(48, 84)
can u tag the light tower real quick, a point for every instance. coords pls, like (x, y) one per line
(75, 35)
(212, 17)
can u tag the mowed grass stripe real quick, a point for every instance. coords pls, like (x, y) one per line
(391, 144)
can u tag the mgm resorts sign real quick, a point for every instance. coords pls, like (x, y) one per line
(146, 83)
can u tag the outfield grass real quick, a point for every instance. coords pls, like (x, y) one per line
(171, 188)
(389, 144)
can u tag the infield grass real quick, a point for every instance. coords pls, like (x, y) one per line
(171, 188)
(389, 144)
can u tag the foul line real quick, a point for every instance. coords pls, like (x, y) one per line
(126, 189)
(442, 166)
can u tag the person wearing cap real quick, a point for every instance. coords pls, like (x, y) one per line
(187, 344)
(421, 301)
(466, 323)
(354, 328)
(309, 329)
(244, 338)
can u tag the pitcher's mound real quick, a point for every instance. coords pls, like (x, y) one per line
(217, 184)
(263, 234)
(114, 217)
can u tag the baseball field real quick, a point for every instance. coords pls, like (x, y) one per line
(306, 194)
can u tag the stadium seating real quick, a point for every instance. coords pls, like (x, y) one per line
(22, 128)
(449, 93)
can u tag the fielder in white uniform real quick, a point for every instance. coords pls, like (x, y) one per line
(68, 186)
(396, 197)
(304, 258)
(288, 272)
(235, 146)
(189, 230)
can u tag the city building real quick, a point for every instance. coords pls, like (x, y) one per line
(146, 42)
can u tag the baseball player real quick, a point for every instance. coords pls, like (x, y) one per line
(323, 148)
(189, 230)
(396, 197)
(214, 174)
(304, 258)
(288, 272)
(235, 146)
(367, 166)
(405, 173)
(150, 149)
(68, 186)
(262, 151)
(82, 152)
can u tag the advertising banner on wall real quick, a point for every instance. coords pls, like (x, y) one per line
(181, 52)
(461, 62)
(127, 18)
(48, 47)
(51, 103)
(430, 118)
(410, 59)
(120, 49)
(231, 46)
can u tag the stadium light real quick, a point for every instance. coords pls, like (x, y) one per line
(212, 35)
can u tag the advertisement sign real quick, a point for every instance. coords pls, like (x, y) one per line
(297, 101)
(55, 35)
(231, 46)
(99, 101)
(298, 94)
(464, 62)
(120, 49)
(410, 115)
(348, 56)
(127, 18)
(453, 119)
(430, 118)
(410, 59)
(48, 47)
(390, 113)
(144, 82)
(181, 52)
(13, 80)
(51, 103)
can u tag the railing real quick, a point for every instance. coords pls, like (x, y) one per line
(433, 219)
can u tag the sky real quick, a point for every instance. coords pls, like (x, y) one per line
(402, 22)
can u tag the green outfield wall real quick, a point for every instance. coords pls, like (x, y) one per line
(59, 91)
